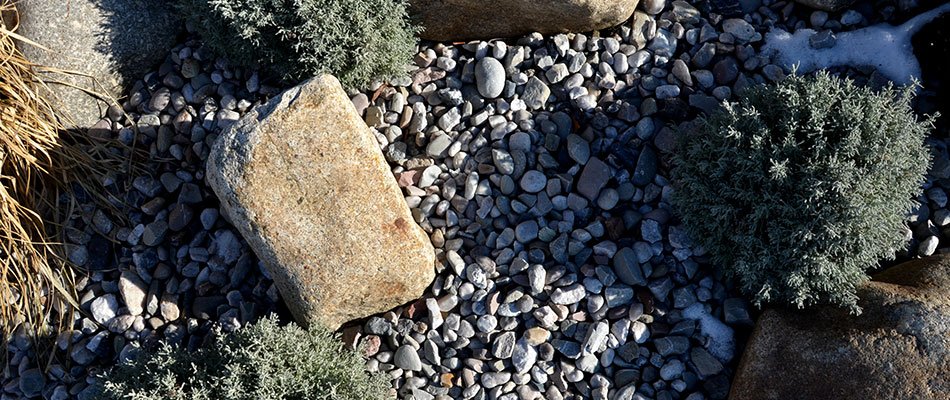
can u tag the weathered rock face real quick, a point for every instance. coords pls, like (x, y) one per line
(827, 5)
(305, 182)
(898, 348)
(489, 19)
(109, 42)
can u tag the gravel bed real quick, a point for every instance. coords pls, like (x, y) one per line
(539, 168)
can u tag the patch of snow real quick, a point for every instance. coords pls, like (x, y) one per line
(885, 47)
(722, 341)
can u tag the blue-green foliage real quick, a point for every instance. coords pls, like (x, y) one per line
(356, 40)
(800, 187)
(263, 361)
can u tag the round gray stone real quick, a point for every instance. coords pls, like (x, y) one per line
(526, 231)
(489, 77)
(32, 382)
(407, 358)
(533, 181)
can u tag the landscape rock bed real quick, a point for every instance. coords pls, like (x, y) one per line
(538, 168)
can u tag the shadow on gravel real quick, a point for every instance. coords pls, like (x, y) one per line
(136, 34)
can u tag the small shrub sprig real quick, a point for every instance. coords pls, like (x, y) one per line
(802, 186)
(355, 40)
(263, 361)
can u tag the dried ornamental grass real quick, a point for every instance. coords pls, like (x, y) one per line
(37, 159)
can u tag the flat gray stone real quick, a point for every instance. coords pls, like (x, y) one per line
(578, 149)
(536, 277)
(671, 345)
(593, 178)
(439, 145)
(526, 231)
(504, 345)
(627, 267)
(742, 30)
(493, 379)
(595, 338)
(706, 365)
(618, 296)
(667, 92)
(132, 290)
(650, 231)
(536, 93)
(568, 295)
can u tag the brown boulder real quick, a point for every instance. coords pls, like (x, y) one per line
(826, 5)
(489, 19)
(898, 348)
(304, 181)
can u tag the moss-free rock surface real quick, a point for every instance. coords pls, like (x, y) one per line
(106, 44)
(898, 348)
(304, 181)
(489, 19)
(827, 5)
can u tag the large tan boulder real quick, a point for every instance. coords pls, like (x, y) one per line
(450, 20)
(104, 44)
(304, 181)
(898, 348)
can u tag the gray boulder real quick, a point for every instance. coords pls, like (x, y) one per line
(107, 43)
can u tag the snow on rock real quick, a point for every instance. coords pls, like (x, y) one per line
(722, 341)
(885, 47)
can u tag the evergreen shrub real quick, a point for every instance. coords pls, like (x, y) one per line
(355, 40)
(263, 361)
(801, 186)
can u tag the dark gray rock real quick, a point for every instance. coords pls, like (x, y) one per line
(593, 178)
(627, 267)
(646, 167)
(179, 217)
(735, 311)
(706, 365)
(671, 345)
(726, 71)
(826, 5)
(32, 382)
(569, 349)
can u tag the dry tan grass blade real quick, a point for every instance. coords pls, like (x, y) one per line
(38, 159)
